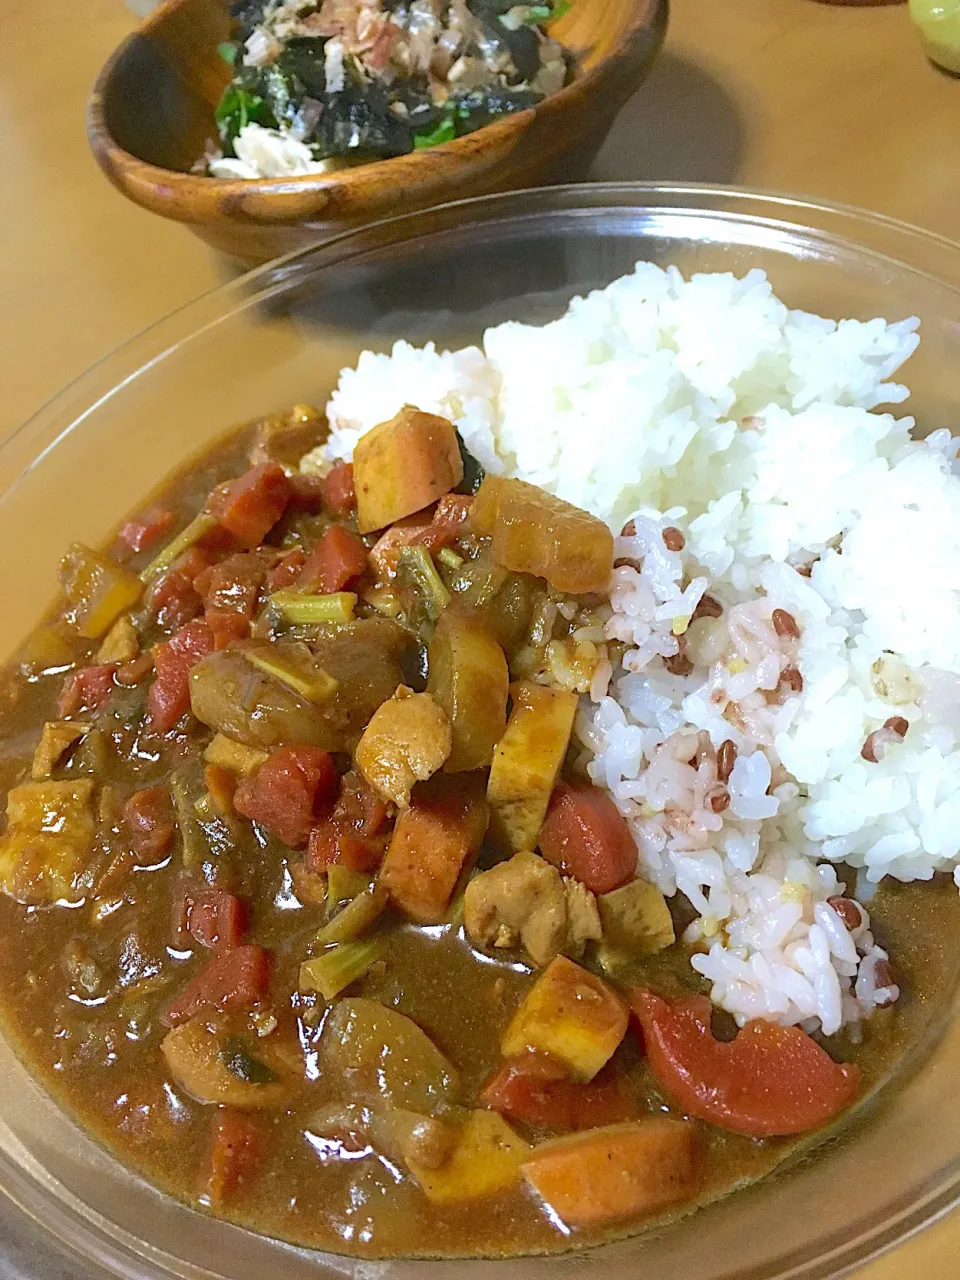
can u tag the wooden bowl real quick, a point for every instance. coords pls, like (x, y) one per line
(151, 112)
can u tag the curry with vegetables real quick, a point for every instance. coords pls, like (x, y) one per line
(309, 908)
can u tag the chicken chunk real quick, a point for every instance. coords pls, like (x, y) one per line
(407, 741)
(524, 896)
(583, 917)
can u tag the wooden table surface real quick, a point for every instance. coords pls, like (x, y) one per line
(783, 94)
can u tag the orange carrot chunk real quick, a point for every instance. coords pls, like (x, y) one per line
(625, 1170)
(770, 1080)
(432, 842)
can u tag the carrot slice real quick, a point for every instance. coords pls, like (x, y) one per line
(770, 1080)
(625, 1170)
(585, 835)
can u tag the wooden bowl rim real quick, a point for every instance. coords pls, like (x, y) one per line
(141, 178)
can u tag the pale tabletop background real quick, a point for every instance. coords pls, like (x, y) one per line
(783, 94)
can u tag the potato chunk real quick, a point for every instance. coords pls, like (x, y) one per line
(382, 1054)
(98, 589)
(636, 919)
(534, 532)
(525, 897)
(486, 1159)
(231, 696)
(214, 1070)
(48, 843)
(621, 1171)
(572, 1015)
(406, 741)
(468, 677)
(432, 842)
(526, 762)
(403, 465)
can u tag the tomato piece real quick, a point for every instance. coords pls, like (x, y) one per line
(173, 600)
(149, 818)
(86, 689)
(284, 794)
(235, 1152)
(338, 559)
(249, 506)
(226, 627)
(194, 561)
(536, 1090)
(338, 491)
(768, 1081)
(586, 836)
(331, 840)
(306, 493)
(213, 917)
(447, 523)
(359, 805)
(146, 530)
(286, 571)
(233, 585)
(169, 696)
(236, 978)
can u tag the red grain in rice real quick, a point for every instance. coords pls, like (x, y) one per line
(784, 624)
(848, 911)
(726, 759)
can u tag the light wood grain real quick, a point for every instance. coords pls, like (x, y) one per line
(787, 94)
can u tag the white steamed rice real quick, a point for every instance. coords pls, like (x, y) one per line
(707, 405)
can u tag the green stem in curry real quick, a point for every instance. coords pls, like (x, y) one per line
(355, 918)
(299, 609)
(335, 969)
(200, 524)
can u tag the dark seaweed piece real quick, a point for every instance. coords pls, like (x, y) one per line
(486, 10)
(247, 15)
(473, 472)
(478, 107)
(302, 62)
(358, 122)
(524, 46)
(279, 91)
